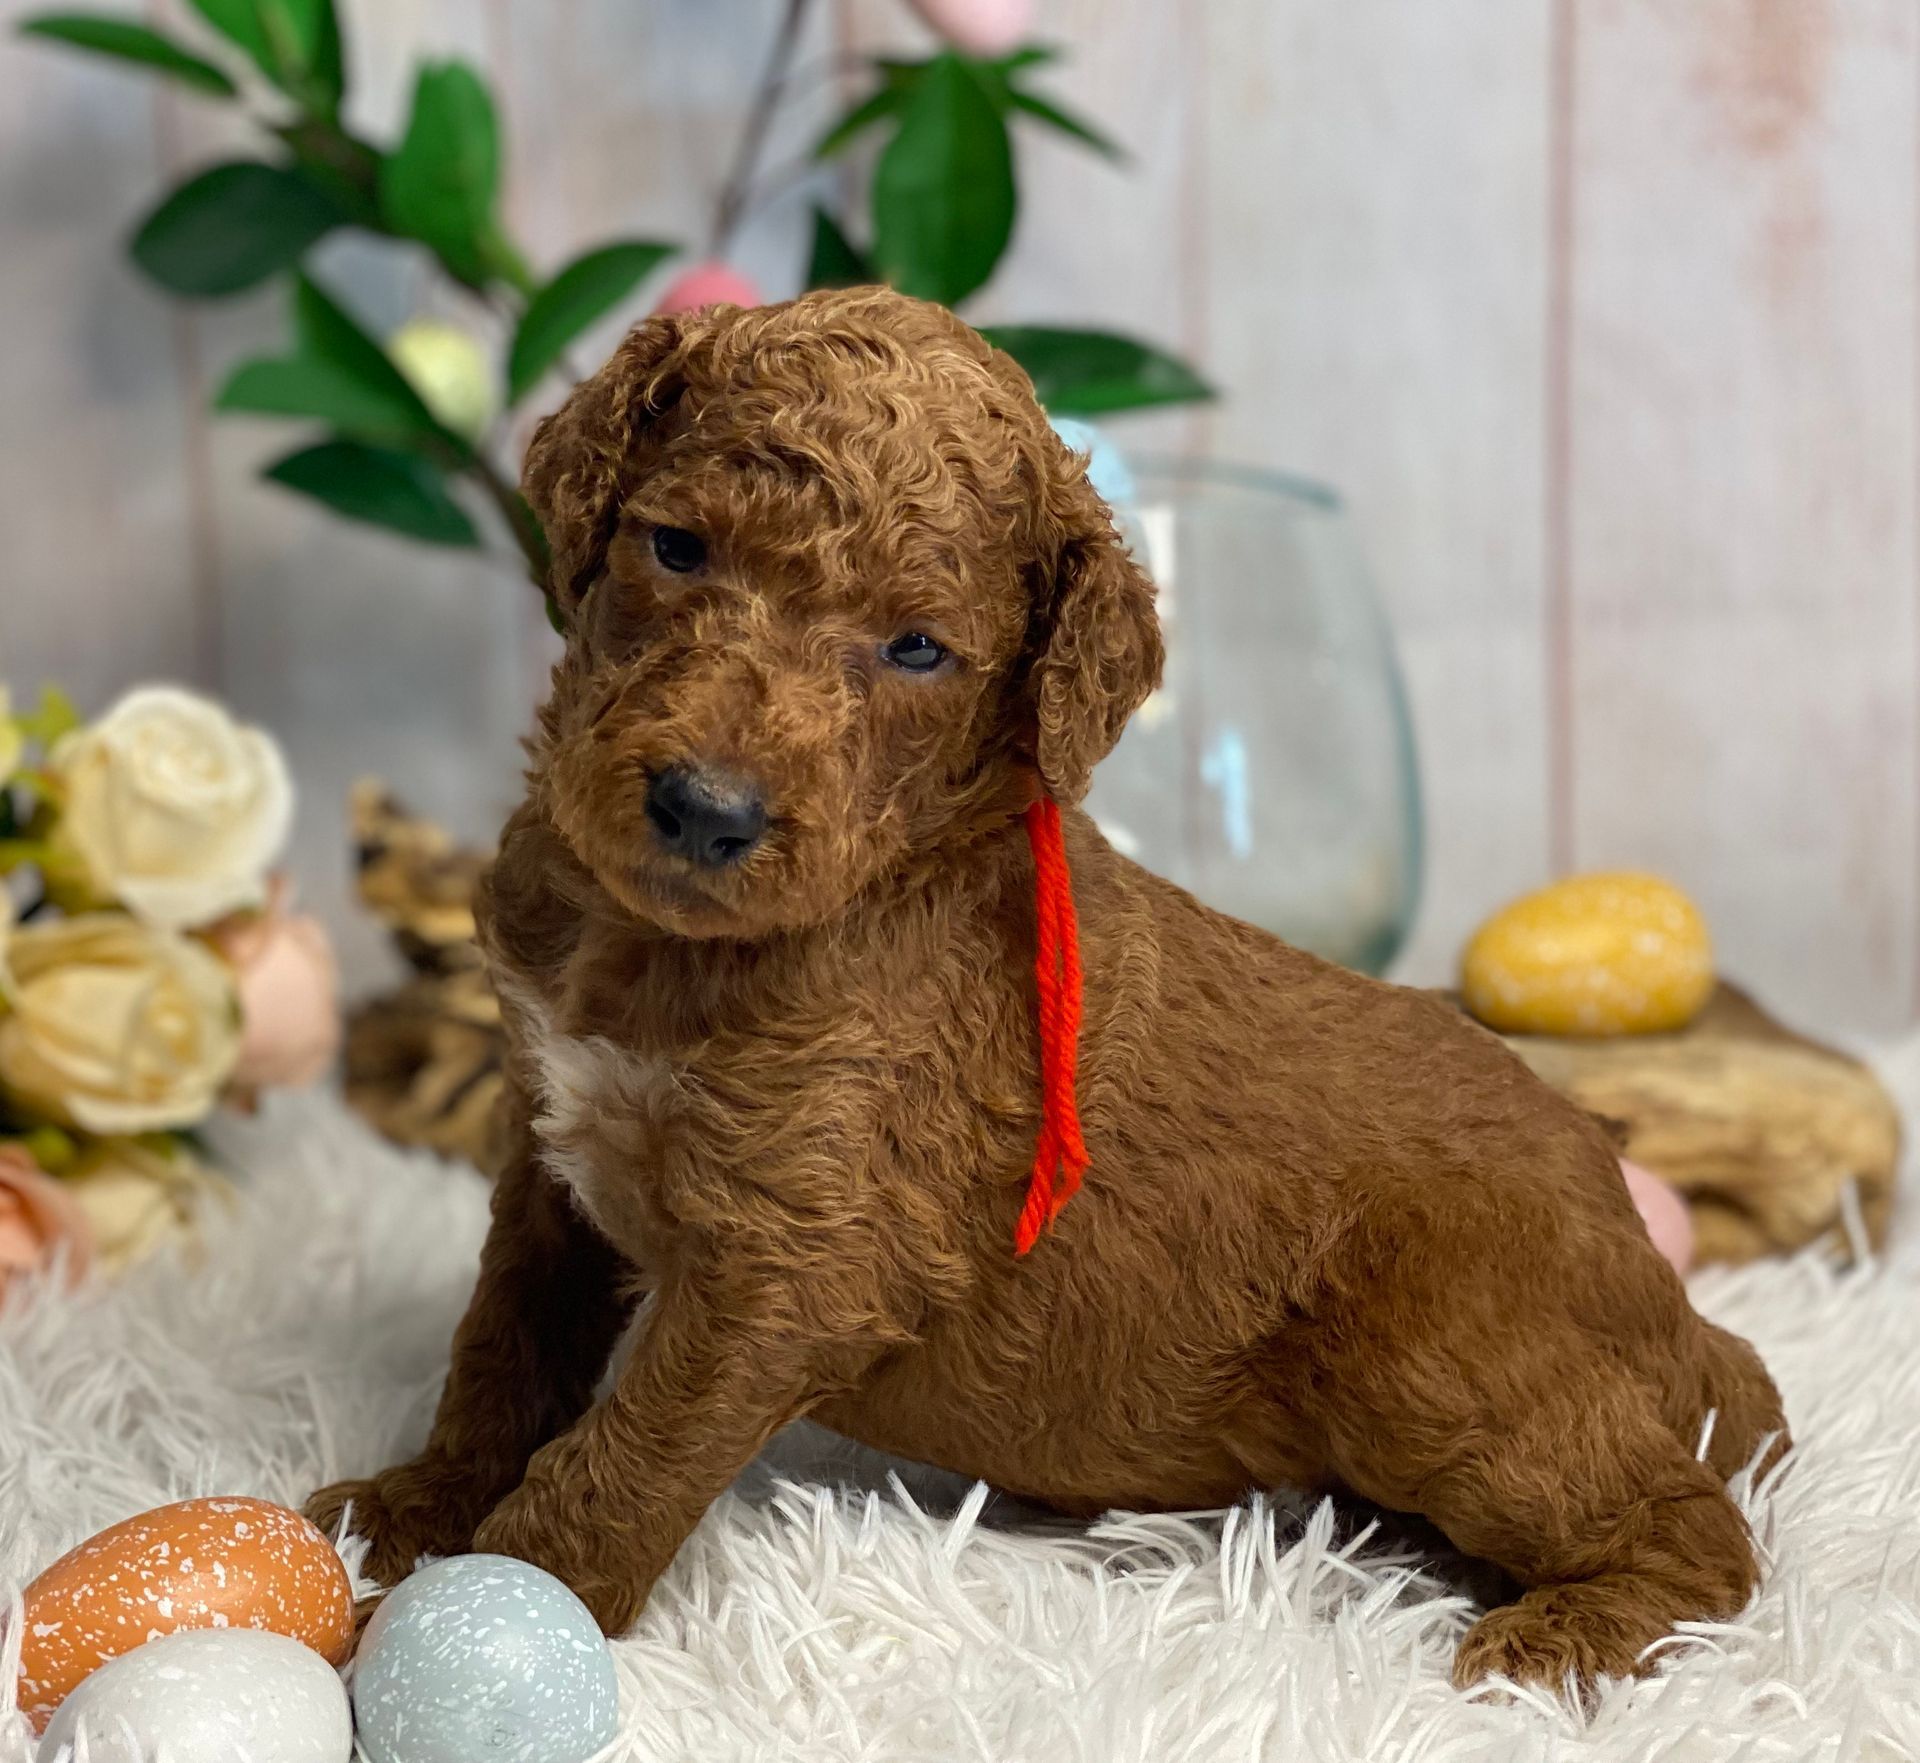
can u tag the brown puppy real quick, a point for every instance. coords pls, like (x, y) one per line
(840, 606)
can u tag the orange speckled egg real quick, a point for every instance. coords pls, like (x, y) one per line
(213, 1563)
(1615, 954)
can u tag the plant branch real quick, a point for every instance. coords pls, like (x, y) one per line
(736, 192)
(515, 512)
(779, 180)
(801, 76)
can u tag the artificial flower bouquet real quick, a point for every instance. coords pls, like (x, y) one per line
(150, 967)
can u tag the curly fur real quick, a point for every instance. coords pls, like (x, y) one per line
(1334, 1236)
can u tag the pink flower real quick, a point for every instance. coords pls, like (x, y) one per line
(289, 986)
(978, 27)
(708, 284)
(37, 1217)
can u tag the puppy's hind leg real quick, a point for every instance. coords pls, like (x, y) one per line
(1575, 1484)
(1734, 1387)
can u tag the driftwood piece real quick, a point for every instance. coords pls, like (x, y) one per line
(1762, 1130)
(423, 1061)
(416, 881)
(423, 1064)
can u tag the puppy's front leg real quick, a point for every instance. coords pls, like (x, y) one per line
(545, 1313)
(720, 1368)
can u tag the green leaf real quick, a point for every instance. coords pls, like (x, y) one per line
(340, 375)
(589, 287)
(439, 184)
(835, 262)
(1083, 373)
(500, 257)
(877, 107)
(51, 1148)
(24, 854)
(295, 43)
(329, 62)
(303, 387)
(1026, 56)
(239, 22)
(340, 165)
(328, 334)
(999, 76)
(55, 716)
(231, 227)
(400, 491)
(943, 193)
(1044, 110)
(126, 40)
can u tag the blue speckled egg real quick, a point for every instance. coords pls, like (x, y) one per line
(483, 1659)
(1107, 468)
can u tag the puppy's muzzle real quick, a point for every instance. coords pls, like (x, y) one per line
(707, 818)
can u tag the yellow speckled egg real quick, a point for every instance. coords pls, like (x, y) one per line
(1618, 954)
(200, 1564)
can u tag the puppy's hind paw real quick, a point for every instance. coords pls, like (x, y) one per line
(1565, 1638)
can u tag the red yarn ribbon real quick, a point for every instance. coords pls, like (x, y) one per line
(1060, 1158)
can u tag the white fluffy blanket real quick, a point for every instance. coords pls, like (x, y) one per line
(825, 1611)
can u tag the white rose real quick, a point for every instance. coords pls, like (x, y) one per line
(113, 1026)
(13, 742)
(175, 810)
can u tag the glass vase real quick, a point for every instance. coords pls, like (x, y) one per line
(1273, 774)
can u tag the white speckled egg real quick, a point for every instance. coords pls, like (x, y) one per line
(215, 1695)
(227, 1562)
(483, 1659)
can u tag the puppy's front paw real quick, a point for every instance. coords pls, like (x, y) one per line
(568, 1545)
(403, 1513)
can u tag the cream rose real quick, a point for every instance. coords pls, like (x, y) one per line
(175, 810)
(113, 1026)
(13, 741)
(135, 1197)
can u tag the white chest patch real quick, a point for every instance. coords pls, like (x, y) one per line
(600, 1110)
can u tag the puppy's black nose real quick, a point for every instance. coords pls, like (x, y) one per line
(707, 820)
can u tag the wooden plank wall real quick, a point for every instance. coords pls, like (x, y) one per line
(1735, 684)
(1601, 312)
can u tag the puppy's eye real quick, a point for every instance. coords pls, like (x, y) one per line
(678, 550)
(915, 653)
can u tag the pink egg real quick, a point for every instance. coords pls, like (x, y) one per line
(708, 284)
(1663, 1212)
(978, 27)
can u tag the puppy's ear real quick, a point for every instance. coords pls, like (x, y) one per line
(1095, 633)
(580, 463)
